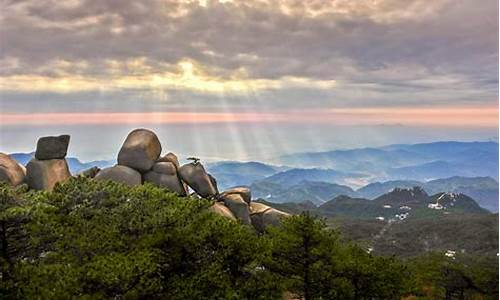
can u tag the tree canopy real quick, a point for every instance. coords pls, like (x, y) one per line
(99, 240)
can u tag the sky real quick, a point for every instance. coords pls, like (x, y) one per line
(247, 79)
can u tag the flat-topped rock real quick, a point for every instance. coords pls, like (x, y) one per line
(244, 192)
(52, 147)
(44, 174)
(140, 150)
(122, 174)
(10, 170)
(198, 179)
(257, 208)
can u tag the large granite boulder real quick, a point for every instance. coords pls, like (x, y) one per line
(10, 170)
(263, 216)
(122, 174)
(44, 174)
(198, 179)
(140, 150)
(220, 209)
(170, 157)
(52, 147)
(164, 174)
(244, 192)
(238, 207)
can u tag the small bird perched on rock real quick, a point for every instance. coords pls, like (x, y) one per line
(195, 160)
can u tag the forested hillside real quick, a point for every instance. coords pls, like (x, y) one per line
(102, 240)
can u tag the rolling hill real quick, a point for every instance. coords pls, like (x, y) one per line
(315, 192)
(482, 189)
(407, 222)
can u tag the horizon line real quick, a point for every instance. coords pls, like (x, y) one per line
(464, 116)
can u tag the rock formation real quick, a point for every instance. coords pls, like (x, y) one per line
(238, 207)
(164, 174)
(198, 179)
(244, 192)
(121, 174)
(52, 147)
(44, 174)
(220, 209)
(49, 165)
(139, 161)
(170, 157)
(140, 150)
(10, 170)
(262, 216)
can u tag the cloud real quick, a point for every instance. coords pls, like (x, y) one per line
(260, 55)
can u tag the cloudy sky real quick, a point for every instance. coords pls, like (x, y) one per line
(247, 79)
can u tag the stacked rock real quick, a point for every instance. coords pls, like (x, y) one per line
(139, 152)
(239, 202)
(49, 165)
(139, 161)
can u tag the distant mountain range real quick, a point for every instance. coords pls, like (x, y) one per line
(400, 203)
(416, 162)
(316, 192)
(409, 222)
(470, 168)
(232, 173)
(482, 189)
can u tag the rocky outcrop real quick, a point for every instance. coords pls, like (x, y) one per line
(244, 192)
(164, 174)
(44, 174)
(49, 165)
(238, 207)
(52, 147)
(198, 179)
(139, 161)
(10, 170)
(222, 210)
(122, 174)
(140, 150)
(263, 216)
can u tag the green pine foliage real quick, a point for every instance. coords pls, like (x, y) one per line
(100, 240)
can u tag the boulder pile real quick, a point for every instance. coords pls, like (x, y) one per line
(139, 161)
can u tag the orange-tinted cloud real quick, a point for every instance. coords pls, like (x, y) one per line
(486, 116)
